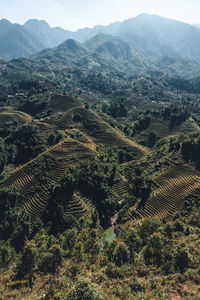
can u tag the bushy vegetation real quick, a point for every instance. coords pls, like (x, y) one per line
(150, 250)
(21, 142)
(189, 146)
(33, 105)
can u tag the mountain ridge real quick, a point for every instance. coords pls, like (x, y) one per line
(155, 36)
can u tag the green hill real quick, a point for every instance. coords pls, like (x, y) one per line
(28, 179)
(101, 132)
(12, 115)
(175, 184)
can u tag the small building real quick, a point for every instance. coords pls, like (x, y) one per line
(59, 113)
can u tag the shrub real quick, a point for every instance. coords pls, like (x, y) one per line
(121, 254)
(70, 238)
(84, 290)
(112, 271)
(77, 118)
(153, 251)
(147, 228)
(26, 266)
(6, 254)
(181, 259)
(50, 260)
(78, 252)
(118, 253)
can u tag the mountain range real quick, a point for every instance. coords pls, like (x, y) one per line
(151, 35)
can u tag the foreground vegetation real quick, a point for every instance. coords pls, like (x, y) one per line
(154, 260)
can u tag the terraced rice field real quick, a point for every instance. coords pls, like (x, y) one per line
(174, 185)
(13, 115)
(120, 187)
(63, 103)
(79, 205)
(100, 131)
(34, 187)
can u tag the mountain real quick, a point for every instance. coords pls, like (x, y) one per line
(68, 52)
(160, 36)
(111, 54)
(84, 34)
(22, 41)
(51, 37)
(104, 53)
(152, 35)
(5, 26)
(16, 41)
(112, 46)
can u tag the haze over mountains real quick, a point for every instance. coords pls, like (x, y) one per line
(151, 35)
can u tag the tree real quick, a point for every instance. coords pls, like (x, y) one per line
(7, 254)
(147, 228)
(77, 118)
(133, 242)
(118, 252)
(84, 290)
(78, 252)
(152, 137)
(3, 156)
(50, 259)
(166, 113)
(8, 213)
(181, 259)
(121, 254)
(153, 250)
(122, 110)
(70, 239)
(94, 252)
(32, 105)
(27, 140)
(25, 268)
(55, 137)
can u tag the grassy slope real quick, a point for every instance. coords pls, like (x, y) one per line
(12, 115)
(63, 103)
(100, 131)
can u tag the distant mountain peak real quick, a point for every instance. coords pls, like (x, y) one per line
(5, 21)
(149, 18)
(143, 15)
(70, 43)
(72, 46)
(36, 22)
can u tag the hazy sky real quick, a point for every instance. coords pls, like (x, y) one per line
(74, 14)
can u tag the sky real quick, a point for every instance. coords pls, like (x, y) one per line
(75, 14)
